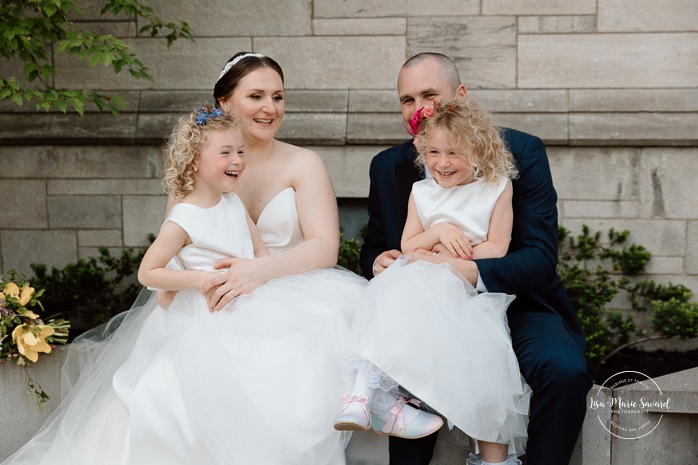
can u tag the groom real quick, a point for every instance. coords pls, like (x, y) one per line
(545, 331)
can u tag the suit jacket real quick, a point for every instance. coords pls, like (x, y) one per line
(529, 268)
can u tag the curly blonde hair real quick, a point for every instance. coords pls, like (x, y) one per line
(184, 145)
(469, 130)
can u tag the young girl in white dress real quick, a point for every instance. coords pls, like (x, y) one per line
(421, 326)
(254, 383)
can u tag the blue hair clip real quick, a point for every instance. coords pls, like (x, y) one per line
(206, 113)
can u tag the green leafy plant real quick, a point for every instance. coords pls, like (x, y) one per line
(91, 291)
(595, 269)
(350, 252)
(31, 29)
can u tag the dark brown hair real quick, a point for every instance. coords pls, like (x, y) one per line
(229, 81)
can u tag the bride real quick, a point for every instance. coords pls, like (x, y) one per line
(258, 382)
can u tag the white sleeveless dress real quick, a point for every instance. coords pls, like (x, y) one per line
(431, 333)
(257, 383)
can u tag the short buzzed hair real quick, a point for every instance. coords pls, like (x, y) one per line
(449, 72)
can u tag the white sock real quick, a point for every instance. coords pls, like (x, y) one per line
(363, 383)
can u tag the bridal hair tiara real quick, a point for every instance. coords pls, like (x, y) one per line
(235, 61)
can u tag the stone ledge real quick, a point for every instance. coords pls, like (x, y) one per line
(20, 419)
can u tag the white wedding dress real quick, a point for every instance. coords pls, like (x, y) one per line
(434, 335)
(258, 383)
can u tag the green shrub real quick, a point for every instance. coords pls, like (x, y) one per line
(349, 252)
(91, 291)
(595, 270)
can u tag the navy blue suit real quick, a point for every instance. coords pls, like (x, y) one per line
(545, 331)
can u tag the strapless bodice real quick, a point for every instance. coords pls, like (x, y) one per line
(278, 224)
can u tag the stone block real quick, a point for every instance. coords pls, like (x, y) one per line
(595, 174)
(550, 127)
(634, 100)
(367, 448)
(20, 418)
(105, 187)
(15, 68)
(376, 128)
(597, 209)
(666, 265)
(391, 8)
(483, 48)
(23, 204)
(360, 26)
(521, 101)
(90, 10)
(314, 128)
(692, 252)
(538, 7)
(121, 29)
(556, 24)
(375, 101)
(336, 62)
(185, 65)
(668, 425)
(221, 18)
(647, 16)
(641, 129)
(101, 162)
(84, 211)
(96, 127)
(667, 183)
(21, 248)
(348, 168)
(594, 443)
(131, 100)
(143, 215)
(100, 238)
(175, 101)
(607, 60)
(87, 252)
(661, 238)
(320, 101)
(155, 128)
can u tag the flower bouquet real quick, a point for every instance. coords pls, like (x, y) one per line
(23, 334)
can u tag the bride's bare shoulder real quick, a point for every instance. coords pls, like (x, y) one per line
(299, 155)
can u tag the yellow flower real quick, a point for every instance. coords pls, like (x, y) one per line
(31, 341)
(12, 290)
(25, 295)
(29, 314)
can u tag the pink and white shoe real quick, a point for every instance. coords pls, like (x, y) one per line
(354, 415)
(405, 421)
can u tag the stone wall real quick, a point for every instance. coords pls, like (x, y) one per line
(611, 86)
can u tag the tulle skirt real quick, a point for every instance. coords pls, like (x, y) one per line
(431, 333)
(257, 383)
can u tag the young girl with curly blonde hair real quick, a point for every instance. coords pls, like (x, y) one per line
(421, 328)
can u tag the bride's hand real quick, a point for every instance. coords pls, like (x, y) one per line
(239, 279)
